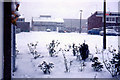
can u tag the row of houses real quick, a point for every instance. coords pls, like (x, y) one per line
(44, 22)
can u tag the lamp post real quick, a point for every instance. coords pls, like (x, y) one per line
(80, 20)
(86, 26)
(104, 35)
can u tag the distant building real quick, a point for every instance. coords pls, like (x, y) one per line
(45, 22)
(74, 25)
(96, 20)
(22, 26)
(21, 19)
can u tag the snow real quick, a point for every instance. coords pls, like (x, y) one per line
(39, 19)
(27, 67)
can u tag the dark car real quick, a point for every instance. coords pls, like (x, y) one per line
(61, 31)
(89, 31)
(118, 33)
(94, 31)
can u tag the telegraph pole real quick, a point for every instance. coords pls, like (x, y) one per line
(104, 35)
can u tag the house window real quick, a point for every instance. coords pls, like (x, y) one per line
(110, 19)
(107, 19)
(113, 19)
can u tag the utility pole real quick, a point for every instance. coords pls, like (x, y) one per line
(80, 20)
(104, 35)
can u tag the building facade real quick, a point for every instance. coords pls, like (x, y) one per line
(45, 22)
(73, 25)
(96, 20)
(22, 26)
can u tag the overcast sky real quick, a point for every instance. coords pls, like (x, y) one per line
(64, 8)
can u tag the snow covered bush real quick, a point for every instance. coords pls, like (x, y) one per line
(112, 64)
(97, 66)
(32, 48)
(46, 68)
(52, 48)
(33, 51)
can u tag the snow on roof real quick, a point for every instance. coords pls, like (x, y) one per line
(45, 16)
(38, 19)
(59, 20)
(108, 12)
(21, 16)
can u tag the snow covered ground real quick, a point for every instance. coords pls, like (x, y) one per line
(27, 67)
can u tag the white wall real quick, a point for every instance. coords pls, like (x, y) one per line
(1, 40)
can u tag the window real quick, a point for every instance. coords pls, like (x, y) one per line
(107, 19)
(111, 19)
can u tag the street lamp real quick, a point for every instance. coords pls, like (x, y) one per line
(86, 26)
(80, 20)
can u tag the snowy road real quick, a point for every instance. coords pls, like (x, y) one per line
(27, 67)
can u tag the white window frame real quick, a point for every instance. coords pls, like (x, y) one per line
(109, 19)
(1, 40)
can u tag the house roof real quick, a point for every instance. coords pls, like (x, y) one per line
(39, 19)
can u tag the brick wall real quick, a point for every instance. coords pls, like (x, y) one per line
(94, 22)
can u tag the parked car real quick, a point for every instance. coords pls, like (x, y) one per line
(109, 32)
(48, 30)
(89, 31)
(117, 29)
(94, 31)
(61, 31)
(118, 33)
(18, 30)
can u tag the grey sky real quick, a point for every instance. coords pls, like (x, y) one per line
(64, 8)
